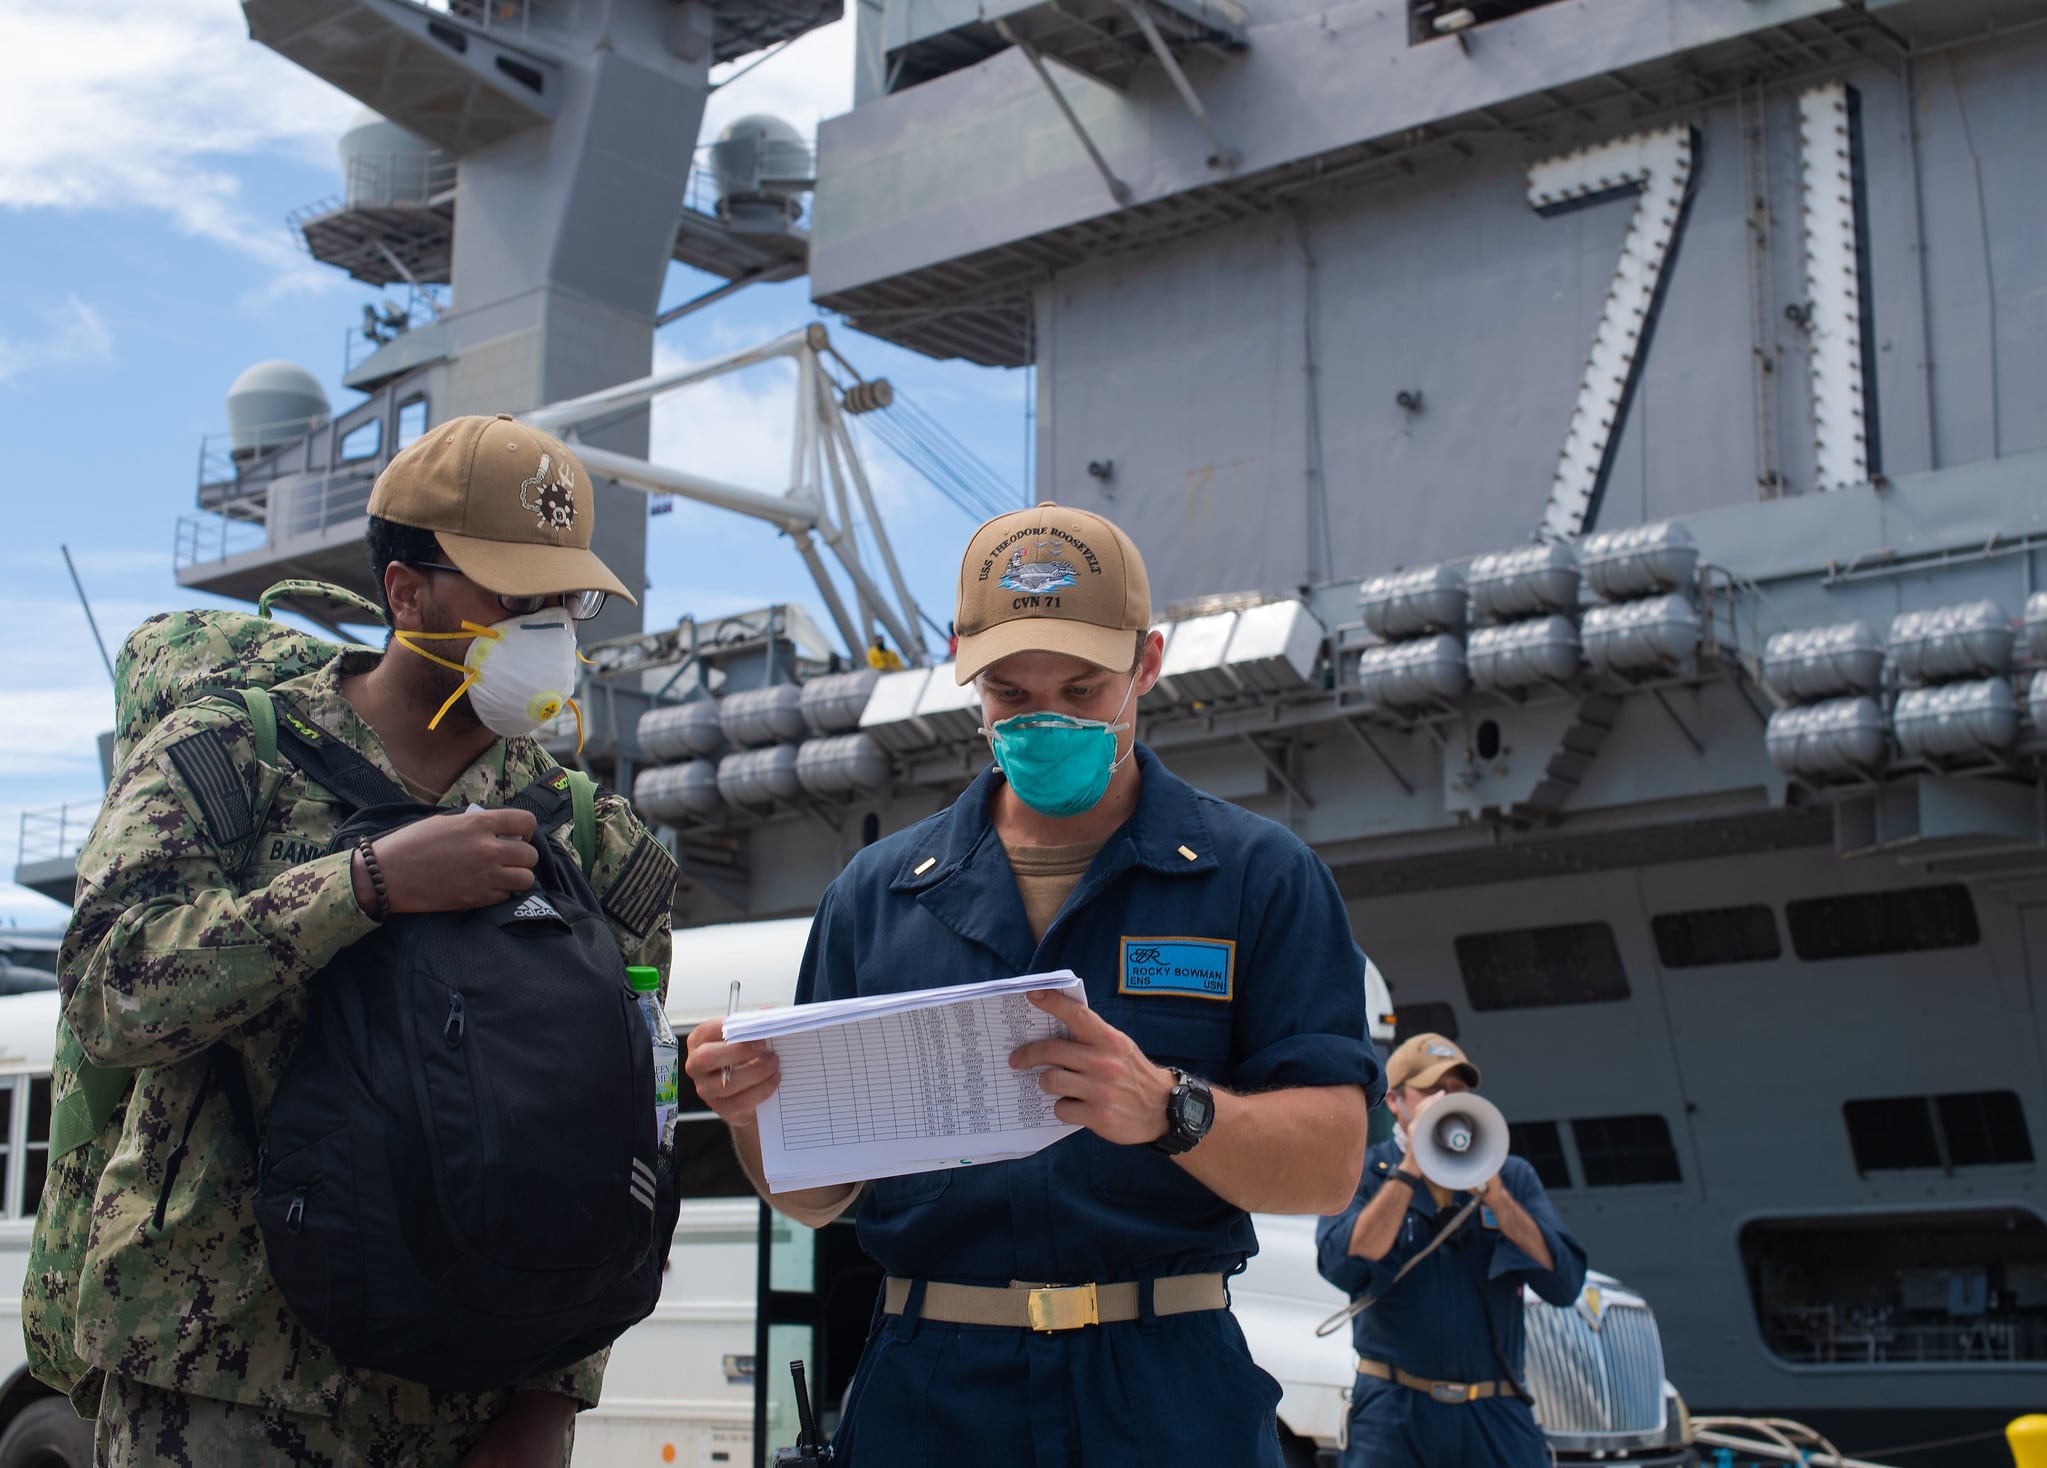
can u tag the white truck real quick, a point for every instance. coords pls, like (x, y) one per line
(697, 1381)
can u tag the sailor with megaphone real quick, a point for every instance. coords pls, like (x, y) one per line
(1445, 1229)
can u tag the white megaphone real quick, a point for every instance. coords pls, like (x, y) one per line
(1459, 1141)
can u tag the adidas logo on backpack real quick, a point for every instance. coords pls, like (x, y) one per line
(535, 906)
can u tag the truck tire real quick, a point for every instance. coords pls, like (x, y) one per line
(47, 1433)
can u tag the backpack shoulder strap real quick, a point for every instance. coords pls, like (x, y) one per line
(583, 797)
(548, 798)
(263, 718)
(557, 793)
(332, 764)
(84, 1111)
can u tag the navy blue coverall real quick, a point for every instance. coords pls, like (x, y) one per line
(1434, 1324)
(1217, 941)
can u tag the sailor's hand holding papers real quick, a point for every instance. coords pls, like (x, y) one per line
(732, 1079)
(754, 1072)
(1102, 1080)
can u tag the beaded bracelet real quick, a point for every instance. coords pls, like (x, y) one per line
(376, 875)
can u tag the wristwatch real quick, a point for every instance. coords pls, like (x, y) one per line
(1190, 1112)
(1395, 1175)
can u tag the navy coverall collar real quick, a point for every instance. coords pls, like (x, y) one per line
(962, 866)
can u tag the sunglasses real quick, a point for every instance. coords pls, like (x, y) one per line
(580, 605)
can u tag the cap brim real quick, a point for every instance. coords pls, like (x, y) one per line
(512, 569)
(1422, 1080)
(1114, 648)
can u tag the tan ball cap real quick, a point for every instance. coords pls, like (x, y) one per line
(1051, 579)
(509, 504)
(1422, 1061)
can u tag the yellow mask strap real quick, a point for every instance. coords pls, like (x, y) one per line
(441, 712)
(579, 725)
(469, 631)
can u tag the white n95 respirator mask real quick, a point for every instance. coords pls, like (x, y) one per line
(518, 673)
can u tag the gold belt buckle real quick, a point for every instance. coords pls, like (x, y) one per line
(1064, 1307)
(1453, 1392)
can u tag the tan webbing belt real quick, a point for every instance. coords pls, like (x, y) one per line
(1452, 1392)
(1055, 1307)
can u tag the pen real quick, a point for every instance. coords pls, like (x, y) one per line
(731, 1004)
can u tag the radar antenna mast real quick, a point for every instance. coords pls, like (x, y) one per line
(822, 458)
(90, 620)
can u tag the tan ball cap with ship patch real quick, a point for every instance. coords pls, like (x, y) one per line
(510, 505)
(1423, 1060)
(1051, 579)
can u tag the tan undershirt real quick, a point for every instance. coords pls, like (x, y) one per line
(1046, 877)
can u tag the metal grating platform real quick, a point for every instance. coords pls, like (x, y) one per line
(740, 27)
(707, 243)
(412, 244)
(447, 79)
(1103, 38)
(1098, 38)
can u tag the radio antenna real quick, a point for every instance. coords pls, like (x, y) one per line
(79, 586)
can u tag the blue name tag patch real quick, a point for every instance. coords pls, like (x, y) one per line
(1197, 968)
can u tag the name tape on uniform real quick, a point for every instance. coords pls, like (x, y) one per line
(1199, 968)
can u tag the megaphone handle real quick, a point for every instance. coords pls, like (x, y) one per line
(1358, 1307)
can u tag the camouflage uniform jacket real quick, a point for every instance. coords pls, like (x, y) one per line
(176, 944)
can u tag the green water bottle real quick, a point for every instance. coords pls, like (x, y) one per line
(646, 984)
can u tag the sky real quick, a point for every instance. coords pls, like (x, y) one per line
(143, 192)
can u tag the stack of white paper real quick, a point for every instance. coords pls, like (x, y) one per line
(887, 1084)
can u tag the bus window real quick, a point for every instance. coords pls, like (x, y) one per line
(36, 1150)
(7, 1144)
(709, 1167)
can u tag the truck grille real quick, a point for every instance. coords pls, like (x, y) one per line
(1587, 1380)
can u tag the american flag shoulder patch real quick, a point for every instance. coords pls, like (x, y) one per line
(202, 762)
(644, 888)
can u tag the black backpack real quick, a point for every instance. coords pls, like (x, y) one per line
(459, 1182)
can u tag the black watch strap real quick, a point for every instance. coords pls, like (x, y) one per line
(1395, 1175)
(1190, 1111)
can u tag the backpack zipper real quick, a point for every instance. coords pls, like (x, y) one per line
(451, 1030)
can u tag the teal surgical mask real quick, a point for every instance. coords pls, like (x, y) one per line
(1058, 765)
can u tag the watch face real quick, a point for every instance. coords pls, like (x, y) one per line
(1198, 1110)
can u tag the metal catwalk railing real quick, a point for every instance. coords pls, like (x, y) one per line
(54, 831)
(284, 513)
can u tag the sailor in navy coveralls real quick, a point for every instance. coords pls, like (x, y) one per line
(1440, 1354)
(1068, 1308)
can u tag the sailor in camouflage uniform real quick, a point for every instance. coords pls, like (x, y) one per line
(207, 906)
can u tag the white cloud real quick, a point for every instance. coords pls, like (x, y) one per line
(54, 733)
(150, 104)
(21, 908)
(735, 427)
(115, 564)
(72, 335)
(143, 104)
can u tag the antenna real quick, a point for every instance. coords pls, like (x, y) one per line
(807, 1437)
(89, 620)
(811, 1450)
